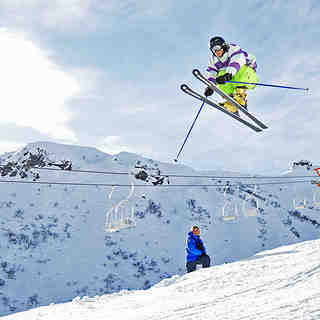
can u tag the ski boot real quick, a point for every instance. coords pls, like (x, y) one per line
(240, 96)
(230, 107)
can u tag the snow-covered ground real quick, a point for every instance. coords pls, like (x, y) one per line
(54, 246)
(283, 283)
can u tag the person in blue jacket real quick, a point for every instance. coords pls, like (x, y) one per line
(196, 251)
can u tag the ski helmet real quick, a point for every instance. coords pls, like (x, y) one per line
(194, 227)
(217, 43)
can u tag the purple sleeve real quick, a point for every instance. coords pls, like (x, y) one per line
(212, 69)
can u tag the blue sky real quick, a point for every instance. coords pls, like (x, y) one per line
(107, 74)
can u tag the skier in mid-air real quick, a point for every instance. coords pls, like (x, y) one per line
(229, 62)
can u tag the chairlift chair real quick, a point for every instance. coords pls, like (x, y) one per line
(229, 210)
(229, 216)
(316, 199)
(111, 192)
(298, 203)
(316, 195)
(120, 216)
(252, 209)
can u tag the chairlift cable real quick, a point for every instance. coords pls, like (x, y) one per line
(175, 175)
(147, 185)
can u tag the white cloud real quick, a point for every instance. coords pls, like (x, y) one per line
(77, 15)
(52, 14)
(34, 91)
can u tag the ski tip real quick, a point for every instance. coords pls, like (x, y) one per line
(175, 160)
(183, 87)
(196, 72)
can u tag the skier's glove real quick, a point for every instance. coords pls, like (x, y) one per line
(223, 79)
(208, 92)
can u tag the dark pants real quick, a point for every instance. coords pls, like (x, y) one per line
(204, 260)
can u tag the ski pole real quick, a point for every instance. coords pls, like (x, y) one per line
(269, 85)
(185, 140)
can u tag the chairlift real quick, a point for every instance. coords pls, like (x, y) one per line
(298, 202)
(229, 209)
(120, 216)
(250, 205)
(316, 195)
(302, 203)
(111, 192)
(316, 199)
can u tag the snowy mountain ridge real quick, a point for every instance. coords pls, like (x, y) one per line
(54, 246)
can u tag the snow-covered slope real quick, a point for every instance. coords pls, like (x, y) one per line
(53, 244)
(278, 284)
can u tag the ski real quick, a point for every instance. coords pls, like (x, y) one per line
(198, 96)
(200, 77)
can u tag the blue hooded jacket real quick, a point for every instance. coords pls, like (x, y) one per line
(194, 246)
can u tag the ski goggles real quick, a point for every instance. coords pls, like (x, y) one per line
(216, 48)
